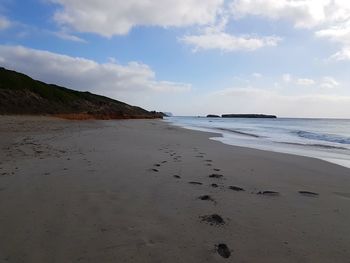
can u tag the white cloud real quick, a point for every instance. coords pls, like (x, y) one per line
(118, 17)
(212, 39)
(66, 36)
(4, 23)
(303, 13)
(329, 19)
(111, 79)
(339, 34)
(324, 82)
(329, 83)
(305, 82)
(343, 54)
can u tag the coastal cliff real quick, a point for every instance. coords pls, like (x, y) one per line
(22, 95)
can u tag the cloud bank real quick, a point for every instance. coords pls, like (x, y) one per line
(227, 42)
(118, 17)
(329, 19)
(111, 79)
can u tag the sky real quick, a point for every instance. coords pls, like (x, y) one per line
(189, 57)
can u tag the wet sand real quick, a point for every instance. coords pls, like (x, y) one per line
(144, 191)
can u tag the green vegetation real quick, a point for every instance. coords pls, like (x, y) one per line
(20, 94)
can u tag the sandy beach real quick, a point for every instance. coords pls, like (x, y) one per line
(145, 191)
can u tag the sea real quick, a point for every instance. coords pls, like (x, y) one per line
(326, 139)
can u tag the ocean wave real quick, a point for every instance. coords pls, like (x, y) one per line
(323, 137)
(325, 146)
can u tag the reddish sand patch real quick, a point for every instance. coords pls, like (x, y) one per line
(85, 116)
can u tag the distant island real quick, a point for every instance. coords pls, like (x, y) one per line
(261, 116)
(20, 94)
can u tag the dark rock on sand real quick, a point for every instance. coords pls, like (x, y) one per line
(213, 116)
(213, 219)
(236, 188)
(155, 170)
(214, 185)
(223, 250)
(177, 176)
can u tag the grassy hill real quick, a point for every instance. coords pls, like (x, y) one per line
(20, 94)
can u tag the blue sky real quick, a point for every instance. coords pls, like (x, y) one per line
(192, 57)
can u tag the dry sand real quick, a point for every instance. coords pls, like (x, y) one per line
(120, 191)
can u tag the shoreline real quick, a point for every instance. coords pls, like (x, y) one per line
(135, 191)
(298, 149)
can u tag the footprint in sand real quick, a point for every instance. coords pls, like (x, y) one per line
(268, 193)
(177, 176)
(155, 170)
(196, 183)
(206, 198)
(213, 219)
(223, 250)
(216, 169)
(216, 176)
(307, 193)
(157, 165)
(214, 185)
(236, 188)
(164, 162)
